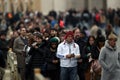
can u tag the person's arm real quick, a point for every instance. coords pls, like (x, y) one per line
(60, 53)
(102, 57)
(77, 54)
(16, 47)
(48, 56)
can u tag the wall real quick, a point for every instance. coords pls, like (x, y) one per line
(113, 3)
(95, 3)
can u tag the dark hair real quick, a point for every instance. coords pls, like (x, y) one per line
(38, 35)
(100, 38)
(2, 33)
(89, 39)
(37, 29)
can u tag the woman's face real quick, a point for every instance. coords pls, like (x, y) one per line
(91, 41)
(53, 44)
(112, 42)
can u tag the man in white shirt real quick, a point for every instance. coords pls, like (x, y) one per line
(68, 52)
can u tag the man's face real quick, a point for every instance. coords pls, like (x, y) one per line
(23, 31)
(53, 33)
(77, 33)
(69, 38)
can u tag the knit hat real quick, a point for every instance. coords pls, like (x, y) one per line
(54, 39)
(69, 33)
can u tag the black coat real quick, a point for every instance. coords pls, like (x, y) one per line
(94, 54)
(4, 47)
(51, 55)
(2, 60)
(38, 56)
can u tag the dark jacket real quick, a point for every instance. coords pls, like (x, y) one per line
(51, 55)
(2, 61)
(94, 54)
(38, 56)
(4, 47)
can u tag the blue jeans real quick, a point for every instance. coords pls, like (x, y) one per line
(68, 73)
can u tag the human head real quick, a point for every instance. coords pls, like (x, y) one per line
(91, 40)
(54, 42)
(76, 32)
(38, 38)
(112, 38)
(23, 31)
(2, 35)
(69, 36)
(100, 41)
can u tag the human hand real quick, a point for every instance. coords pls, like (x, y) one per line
(89, 54)
(72, 55)
(55, 61)
(68, 56)
(90, 59)
(80, 60)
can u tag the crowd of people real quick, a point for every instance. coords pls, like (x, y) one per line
(71, 45)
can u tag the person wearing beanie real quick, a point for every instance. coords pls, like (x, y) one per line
(109, 59)
(52, 60)
(69, 33)
(68, 52)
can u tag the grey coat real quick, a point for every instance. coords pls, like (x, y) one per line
(18, 49)
(109, 59)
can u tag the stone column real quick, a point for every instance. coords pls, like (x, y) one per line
(76, 4)
(95, 3)
(113, 4)
(36, 5)
(7, 6)
(1, 5)
(15, 5)
(60, 5)
(46, 6)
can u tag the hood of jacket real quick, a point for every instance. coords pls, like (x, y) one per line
(107, 45)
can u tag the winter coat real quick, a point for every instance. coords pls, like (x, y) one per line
(51, 55)
(2, 60)
(18, 49)
(94, 54)
(38, 56)
(109, 59)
